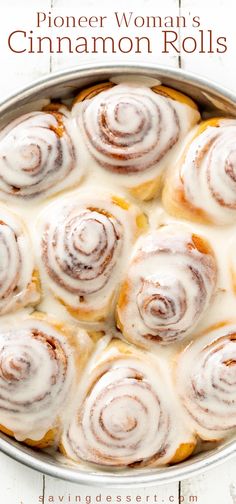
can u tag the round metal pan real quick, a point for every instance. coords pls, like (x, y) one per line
(65, 84)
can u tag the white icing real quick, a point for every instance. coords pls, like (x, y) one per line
(16, 264)
(84, 244)
(36, 377)
(34, 159)
(209, 172)
(141, 133)
(35, 213)
(170, 284)
(206, 382)
(124, 415)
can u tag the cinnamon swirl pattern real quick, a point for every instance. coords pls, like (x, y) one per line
(143, 389)
(131, 131)
(169, 284)
(84, 245)
(125, 415)
(203, 186)
(19, 284)
(37, 374)
(206, 381)
(37, 153)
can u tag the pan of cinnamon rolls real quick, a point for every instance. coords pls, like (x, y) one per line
(117, 276)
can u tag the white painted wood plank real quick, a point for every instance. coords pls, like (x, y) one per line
(18, 484)
(220, 17)
(18, 70)
(56, 488)
(216, 486)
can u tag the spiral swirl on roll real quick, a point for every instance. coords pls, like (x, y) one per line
(83, 243)
(169, 284)
(129, 129)
(85, 254)
(207, 174)
(124, 416)
(36, 154)
(206, 381)
(36, 375)
(18, 279)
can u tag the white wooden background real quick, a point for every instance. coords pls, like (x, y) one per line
(20, 485)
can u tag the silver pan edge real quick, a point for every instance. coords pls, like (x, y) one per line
(211, 97)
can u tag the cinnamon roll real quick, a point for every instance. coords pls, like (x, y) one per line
(169, 285)
(124, 414)
(38, 156)
(84, 246)
(39, 363)
(206, 381)
(19, 279)
(202, 187)
(133, 131)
